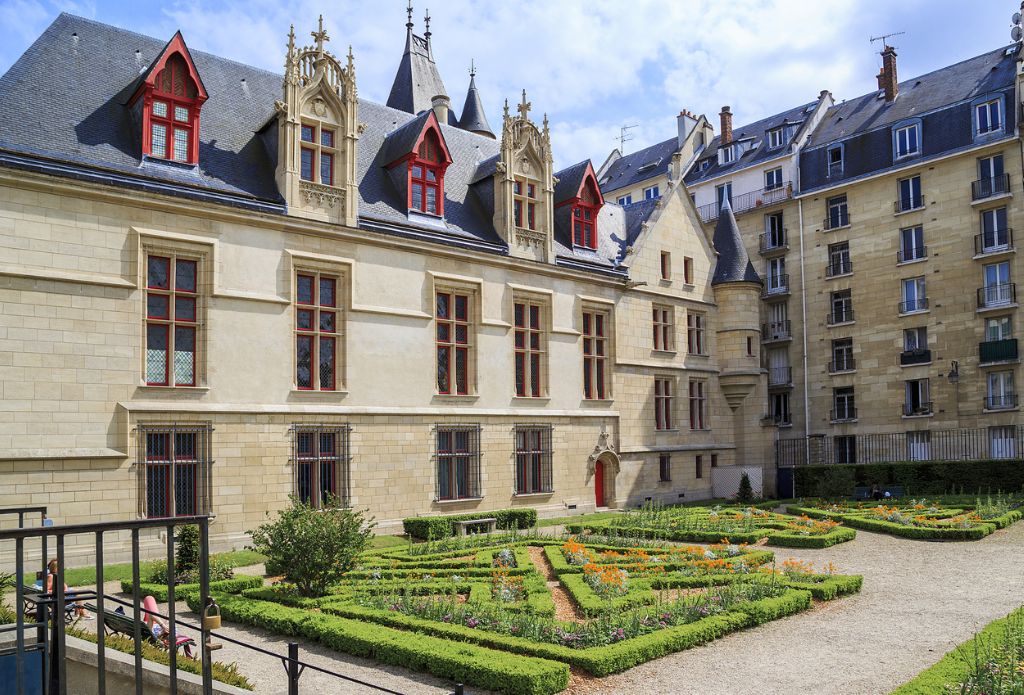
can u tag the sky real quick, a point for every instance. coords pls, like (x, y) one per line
(591, 65)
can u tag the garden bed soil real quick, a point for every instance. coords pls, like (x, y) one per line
(565, 608)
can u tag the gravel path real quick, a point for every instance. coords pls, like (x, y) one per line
(919, 600)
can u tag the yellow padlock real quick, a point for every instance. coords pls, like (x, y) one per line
(211, 616)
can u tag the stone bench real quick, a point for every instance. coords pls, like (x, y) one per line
(463, 527)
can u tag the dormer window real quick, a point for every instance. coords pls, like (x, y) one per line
(725, 155)
(318, 154)
(524, 204)
(169, 100)
(584, 215)
(426, 176)
(776, 138)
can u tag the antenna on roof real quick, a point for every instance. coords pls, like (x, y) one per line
(883, 38)
(624, 137)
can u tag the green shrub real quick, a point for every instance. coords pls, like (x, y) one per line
(313, 548)
(7, 614)
(745, 494)
(159, 591)
(916, 478)
(434, 527)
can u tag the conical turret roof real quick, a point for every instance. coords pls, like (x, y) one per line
(733, 262)
(473, 118)
(417, 80)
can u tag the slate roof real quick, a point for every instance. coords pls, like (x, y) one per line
(79, 74)
(473, 118)
(417, 80)
(569, 181)
(632, 168)
(733, 262)
(973, 77)
(758, 132)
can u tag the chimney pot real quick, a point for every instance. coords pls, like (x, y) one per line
(887, 78)
(726, 118)
(441, 103)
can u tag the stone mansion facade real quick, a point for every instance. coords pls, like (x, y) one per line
(222, 287)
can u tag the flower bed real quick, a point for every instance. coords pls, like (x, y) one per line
(959, 520)
(478, 614)
(748, 524)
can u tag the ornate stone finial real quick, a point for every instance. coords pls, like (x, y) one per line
(524, 107)
(506, 109)
(291, 41)
(408, 12)
(351, 62)
(320, 36)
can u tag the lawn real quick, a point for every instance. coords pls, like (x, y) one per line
(950, 518)
(478, 610)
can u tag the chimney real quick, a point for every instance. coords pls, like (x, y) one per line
(887, 79)
(686, 122)
(726, 116)
(441, 104)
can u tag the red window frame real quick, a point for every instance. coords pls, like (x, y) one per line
(318, 143)
(662, 403)
(584, 226)
(595, 355)
(318, 319)
(662, 326)
(528, 344)
(175, 69)
(695, 334)
(172, 306)
(698, 406)
(454, 343)
(426, 174)
(524, 201)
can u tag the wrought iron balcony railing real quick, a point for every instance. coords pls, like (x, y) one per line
(997, 295)
(993, 351)
(990, 187)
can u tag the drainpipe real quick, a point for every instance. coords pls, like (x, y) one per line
(803, 316)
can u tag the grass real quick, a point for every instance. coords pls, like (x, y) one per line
(85, 576)
(388, 542)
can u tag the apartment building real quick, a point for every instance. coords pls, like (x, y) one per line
(222, 287)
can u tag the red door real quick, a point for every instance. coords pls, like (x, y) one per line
(599, 483)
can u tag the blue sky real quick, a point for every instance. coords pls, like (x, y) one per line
(592, 65)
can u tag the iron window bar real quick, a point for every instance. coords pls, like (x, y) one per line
(776, 330)
(534, 460)
(990, 186)
(457, 455)
(914, 253)
(908, 204)
(1000, 294)
(838, 268)
(324, 468)
(180, 469)
(837, 317)
(909, 306)
(995, 241)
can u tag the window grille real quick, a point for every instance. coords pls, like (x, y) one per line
(175, 465)
(321, 474)
(457, 457)
(534, 453)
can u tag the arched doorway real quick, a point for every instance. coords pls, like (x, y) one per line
(599, 483)
(603, 468)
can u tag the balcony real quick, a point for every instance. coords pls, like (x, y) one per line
(1005, 401)
(838, 268)
(992, 296)
(776, 286)
(748, 201)
(912, 357)
(911, 306)
(839, 366)
(845, 414)
(908, 204)
(780, 377)
(915, 253)
(917, 409)
(993, 242)
(777, 420)
(771, 244)
(838, 317)
(996, 351)
(836, 221)
(776, 331)
(990, 188)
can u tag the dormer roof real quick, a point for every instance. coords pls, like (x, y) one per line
(733, 262)
(405, 140)
(175, 45)
(417, 80)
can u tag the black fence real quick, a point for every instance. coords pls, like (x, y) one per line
(980, 444)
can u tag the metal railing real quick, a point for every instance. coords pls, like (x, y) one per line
(992, 351)
(909, 306)
(780, 376)
(745, 202)
(777, 420)
(846, 414)
(914, 253)
(990, 187)
(964, 444)
(847, 364)
(1005, 401)
(772, 243)
(50, 639)
(838, 268)
(776, 285)
(837, 317)
(920, 356)
(776, 330)
(917, 409)
(836, 221)
(997, 241)
(997, 295)
(908, 204)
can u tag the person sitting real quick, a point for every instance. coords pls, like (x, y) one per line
(876, 493)
(51, 573)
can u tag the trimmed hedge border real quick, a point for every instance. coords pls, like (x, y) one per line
(982, 529)
(781, 539)
(954, 667)
(427, 527)
(159, 591)
(916, 477)
(462, 662)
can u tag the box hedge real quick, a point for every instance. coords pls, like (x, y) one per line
(159, 591)
(459, 661)
(917, 477)
(434, 527)
(857, 519)
(776, 537)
